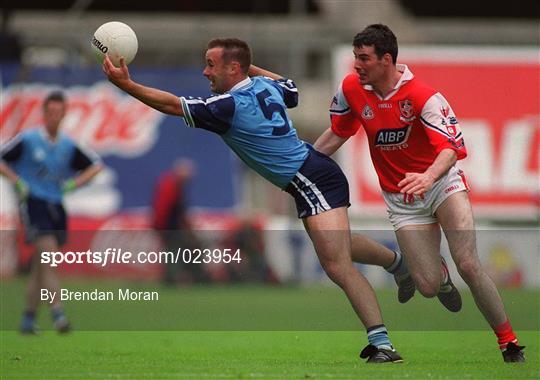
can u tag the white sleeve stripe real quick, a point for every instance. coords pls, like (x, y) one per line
(434, 127)
(207, 101)
(194, 101)
(93, 156)
(287, 84)
(10, 144)
(439, 131)
(292, 89)
(217, 97)
(187, 114)
(340, 112)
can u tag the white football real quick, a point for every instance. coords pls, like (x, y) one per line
(115, 39)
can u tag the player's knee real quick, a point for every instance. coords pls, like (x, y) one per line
(469, 269)
(335, 270)
(428, 287)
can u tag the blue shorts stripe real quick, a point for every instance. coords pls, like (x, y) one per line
(294, 182)
(315, 191)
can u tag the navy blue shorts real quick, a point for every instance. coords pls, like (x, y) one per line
(319, 186)
(41, 218)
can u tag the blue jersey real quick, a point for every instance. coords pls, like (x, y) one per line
(45, 165)
(252, 119)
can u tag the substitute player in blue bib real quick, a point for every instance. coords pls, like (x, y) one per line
(44, 164)
(250, 116)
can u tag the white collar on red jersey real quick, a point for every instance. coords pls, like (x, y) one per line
(406, 76)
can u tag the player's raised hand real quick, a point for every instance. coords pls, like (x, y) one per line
(416, 183)
(116, 75)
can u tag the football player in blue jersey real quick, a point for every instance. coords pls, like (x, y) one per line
(249, 113)
(44, 164)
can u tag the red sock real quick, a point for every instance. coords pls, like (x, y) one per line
(505, 334)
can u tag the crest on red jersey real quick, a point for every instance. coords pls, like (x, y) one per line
(451, 130)
(406, 109)
(449, 121)
(367, 112)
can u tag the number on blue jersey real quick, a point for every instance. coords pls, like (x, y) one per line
(269, 109)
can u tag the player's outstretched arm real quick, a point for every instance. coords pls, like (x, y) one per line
(255, 71)
(160, 100)
(329, 142)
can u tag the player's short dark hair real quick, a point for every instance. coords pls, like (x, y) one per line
(381, 38)
(54, 96)
(234, 49)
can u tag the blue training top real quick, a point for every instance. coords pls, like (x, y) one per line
(252, 119)
(43, 164)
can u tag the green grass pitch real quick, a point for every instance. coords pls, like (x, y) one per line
(247, 332)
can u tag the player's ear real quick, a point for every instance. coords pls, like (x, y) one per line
(387, 58)
(234, 67)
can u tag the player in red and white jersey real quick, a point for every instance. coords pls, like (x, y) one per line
(406, 129)
(415, 140)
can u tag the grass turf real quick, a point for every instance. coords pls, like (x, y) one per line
(188, 336)
(257, 308)
(261, 355)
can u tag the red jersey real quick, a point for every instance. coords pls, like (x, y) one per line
(406, 130)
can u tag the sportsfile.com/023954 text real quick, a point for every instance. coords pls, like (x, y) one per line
(118, 256)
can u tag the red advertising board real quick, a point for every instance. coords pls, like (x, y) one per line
(495, 92)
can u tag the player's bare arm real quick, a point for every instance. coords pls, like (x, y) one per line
(255, 71)
(420, 183)
(328, 142)
(159, 100)
(7, 172)
(87, 174)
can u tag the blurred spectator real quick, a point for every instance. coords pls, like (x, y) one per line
(171, 220)
(503, 267)
(249, 239)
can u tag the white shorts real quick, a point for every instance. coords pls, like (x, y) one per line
(404, 210)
